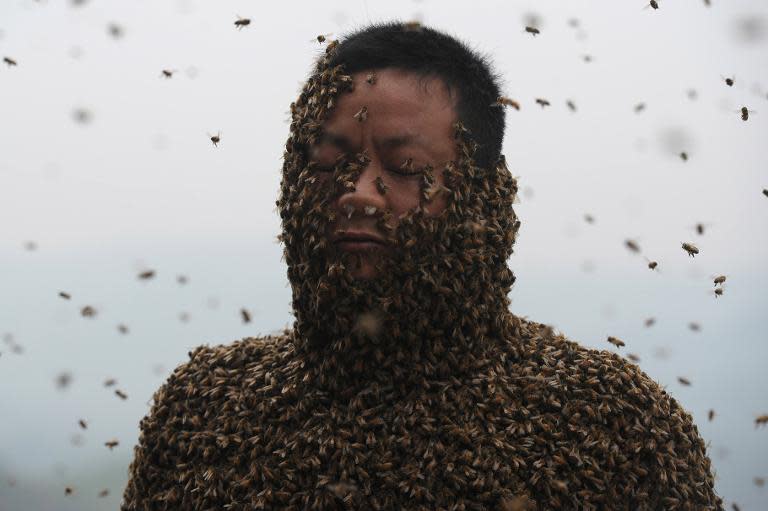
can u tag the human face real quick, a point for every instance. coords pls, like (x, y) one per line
(408, 117)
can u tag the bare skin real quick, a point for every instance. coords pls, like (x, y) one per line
(407, 117)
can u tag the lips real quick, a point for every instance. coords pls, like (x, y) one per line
(357, 240)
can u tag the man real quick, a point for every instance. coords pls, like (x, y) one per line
(406, 382)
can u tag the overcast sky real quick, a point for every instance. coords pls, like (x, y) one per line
(139, 185)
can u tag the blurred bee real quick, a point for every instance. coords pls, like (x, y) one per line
(632, 246)
(745, 113)
(718, 292)
(30, 246)
(322, 37)
(652, 264)
(735, 506)
(719, 280)
(362, 114)
(10, 61)
(654, 4)
(104, 492)
(115, 30)
(649, 322)
(63, 380)
(109, 382)
(64, 295)
(711, 415)
(533, 31)
(684, 156)
(761, 420)
(543, 102)
(146, 275)
(68, 490)
(122, 395)
(112, 444)
(695, 327)
(215, 139)
(122, 329)
(684, 381)
(83, 424)
(242, 22)
(371, 78)
(691, 249)
(380, 185)
(570, 104)
(167, 73)
(765, 192)
(729, 81)
(182, 279)
(589, 218)
(505, 101)
(700, 228)
(245, 315)
(707, 3)
(412, 26)
(88, 312)
(616, 341)
(759, 481)
(639, 107)
(587, 58)
(634, 358)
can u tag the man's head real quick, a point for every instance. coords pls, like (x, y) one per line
(395, 201)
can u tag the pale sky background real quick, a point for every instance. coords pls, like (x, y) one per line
(140, 187)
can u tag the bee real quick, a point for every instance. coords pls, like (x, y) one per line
(718, 292)
(761, 420)
(634, 358)
(700, 228)
(543, 102)
(720, 279)
(30, 246)
(587, 58)
(684, 381)
(65, 295)
(122, 395)
(322, 37)
(109, 382)
(570, 104)
(654, 4)
(690, 248)
(412, 26)
(735, 506)
(88, 312)
(759, 481)
(589, 218)
(122, 329)
(710, 415)
(215, 139)
(745, 113)
(505, 101)
(115, 30)
(104, 492)
(63, 380)
(652, 264)
(167, 73)
(695, 327)
(684, 156)
(245, 315)
(639, 107)
(242, 22)
(68, 490)
(707, 3)
(83, 424)
(692, 94)
(10, 61)
(146, 275)
(380, 185)
(632, 246)
(82, 116)
(616, 341)
(533, 31)
(182, 279)
(649, 322)
(729, 81)
(112, 444)
(371, 78)
(362, 114)
(331, 46)
(184, 317)
(765, 192)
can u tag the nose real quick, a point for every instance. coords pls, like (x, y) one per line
(365, 193)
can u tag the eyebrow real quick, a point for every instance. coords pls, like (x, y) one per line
(392, 142)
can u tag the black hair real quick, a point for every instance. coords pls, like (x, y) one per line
(430, 53)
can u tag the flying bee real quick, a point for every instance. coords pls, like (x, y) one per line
(88, 312)
(701, 228)
(362, 114)
(634, 358)
(684, 156)
(104, 492)
(745, 113)
(718, 291)
(719, 280)
(505, 101)
(652, 264)
(245, 315)
(632, 246)
(570, 104)
(589, 218)
(710, 415)
(115, 30)
(167, 73)
(533, 31)
(616, 341)
(765, 192)
(684, 381)
(10, 61)
(112, 444)
(759, 481)
(761, 420)
(654, 4)
(146, 275)
(649, 322)
(83, 424)
(122, 395)
(122, 329)
(242, 22)
(65, 295)
(322, 37)
(639, 107)
(109, 382)
(729, 81)
(68, 490)
(371, 78)
(695, 327)
(690, 248)
(182, 279)
(215, 139)
(543, 102)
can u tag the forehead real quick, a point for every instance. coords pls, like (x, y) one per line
(396, 99)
